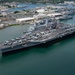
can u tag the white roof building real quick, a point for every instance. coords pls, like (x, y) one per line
(40, 10)
(1, 25)
(69, 2)
(54, 14)
(24, 19)
(4, 13)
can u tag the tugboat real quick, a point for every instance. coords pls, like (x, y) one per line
(43, 32)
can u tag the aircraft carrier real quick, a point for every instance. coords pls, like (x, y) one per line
(42, 32)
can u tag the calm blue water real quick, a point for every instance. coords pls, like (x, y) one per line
(12, 32)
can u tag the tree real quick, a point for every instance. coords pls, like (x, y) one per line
(16, 12)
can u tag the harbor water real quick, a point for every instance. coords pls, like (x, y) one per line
(57, 59)
(28, 6)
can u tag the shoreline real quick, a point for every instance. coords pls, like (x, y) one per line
(13, 25)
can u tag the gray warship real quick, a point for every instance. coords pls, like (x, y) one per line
(42, 32)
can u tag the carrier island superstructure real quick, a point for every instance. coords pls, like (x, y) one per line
(43, 31)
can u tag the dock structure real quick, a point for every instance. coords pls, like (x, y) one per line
(25, 20)
(59, 11)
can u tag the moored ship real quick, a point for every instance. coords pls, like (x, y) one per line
(43, 32)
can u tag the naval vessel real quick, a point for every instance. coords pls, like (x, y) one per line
(42, 32)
